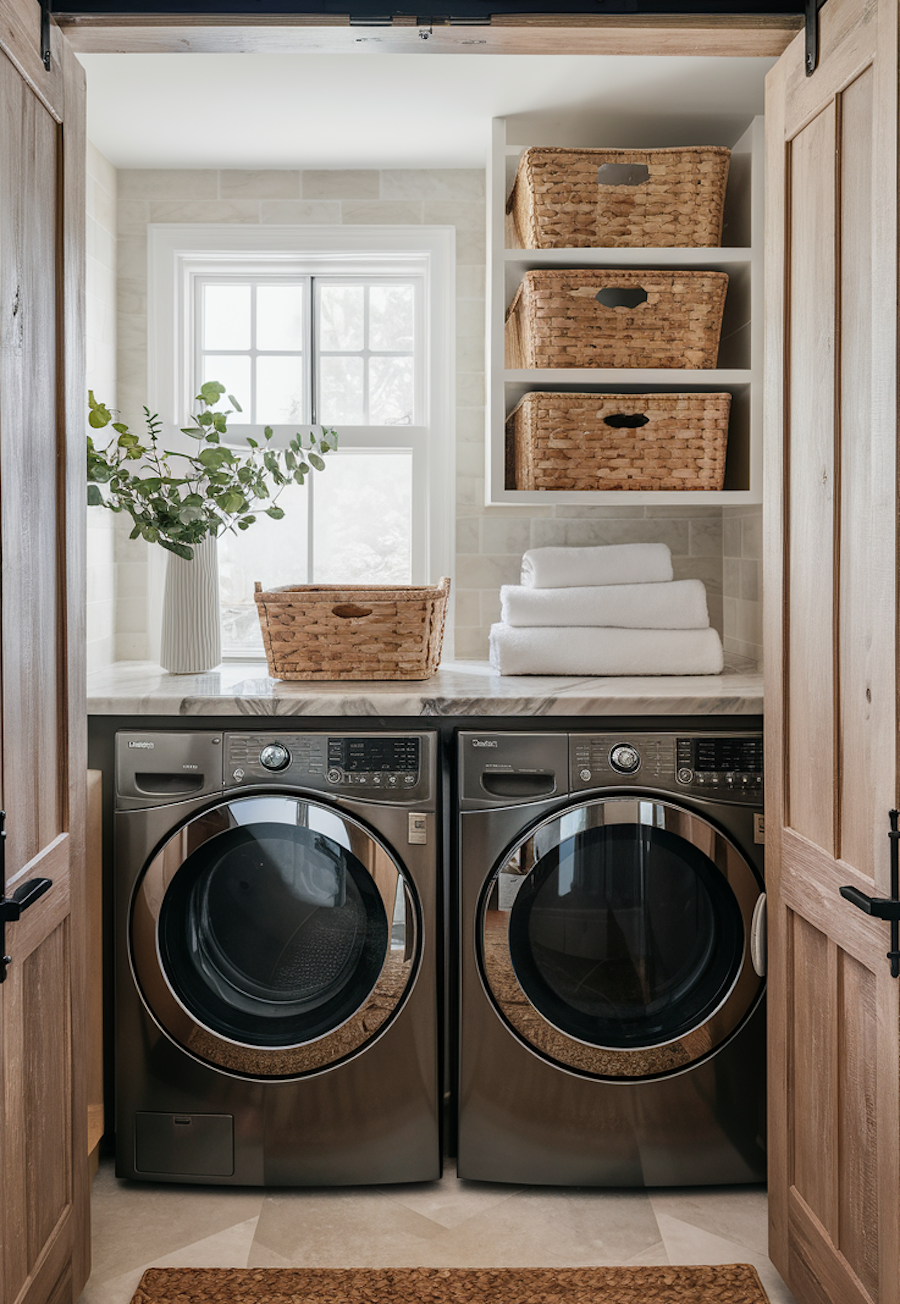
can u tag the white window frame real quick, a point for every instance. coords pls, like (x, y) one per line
(179, 253)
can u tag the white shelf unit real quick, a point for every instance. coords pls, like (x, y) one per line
(740, 355)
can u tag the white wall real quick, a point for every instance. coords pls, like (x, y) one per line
(100, 340)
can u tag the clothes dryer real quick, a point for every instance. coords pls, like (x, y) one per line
(276, 960)
(612, 1027)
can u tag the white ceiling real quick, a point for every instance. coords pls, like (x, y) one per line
(396, 110)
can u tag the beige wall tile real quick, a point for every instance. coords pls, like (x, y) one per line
(378, 212)
(299, 212)
(453, 184)
(273, 183)
(485, 572)
(167, 184)
(706, 536)
(468, 609)
(361, 183)
(211, 210)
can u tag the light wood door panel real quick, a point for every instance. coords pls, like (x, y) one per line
(44, 1256)
(831, 652)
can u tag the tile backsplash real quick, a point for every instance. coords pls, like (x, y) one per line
(489, 540)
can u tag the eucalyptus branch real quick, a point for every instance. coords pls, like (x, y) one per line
(220, 490)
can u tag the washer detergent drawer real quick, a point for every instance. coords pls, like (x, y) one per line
(184, 1145)
(153, 769)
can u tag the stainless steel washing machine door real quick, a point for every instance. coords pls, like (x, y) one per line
(273, 936)
(615, 938)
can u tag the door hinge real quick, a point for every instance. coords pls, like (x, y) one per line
(812, 35)
(45, 33)
(884, 907)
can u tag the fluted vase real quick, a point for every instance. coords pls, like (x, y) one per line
(191, 639)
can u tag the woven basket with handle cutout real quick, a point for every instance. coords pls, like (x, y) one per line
(602, 198)
(353, 631)
(615, 318)
(617, 441)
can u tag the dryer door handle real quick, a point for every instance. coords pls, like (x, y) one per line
(759, 937)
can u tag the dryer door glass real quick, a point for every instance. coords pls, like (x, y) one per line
(626, 936)
(279, 927)
(614, 938)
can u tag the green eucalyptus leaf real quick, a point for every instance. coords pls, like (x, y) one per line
(299, 476)
(234, 403)
(220, 422)
(209, 393)
(212, 458)
(94, 497)
(317, 461)
(276, 513)
(98, 417)
(181, 549)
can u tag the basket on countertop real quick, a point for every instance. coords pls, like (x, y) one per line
(601, 198)
(617, 441)
(615, 318)
(353, 631)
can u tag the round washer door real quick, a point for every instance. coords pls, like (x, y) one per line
(272, 936)
(615, 938)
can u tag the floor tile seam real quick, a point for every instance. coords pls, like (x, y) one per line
(182, 1247)
(736, 1240)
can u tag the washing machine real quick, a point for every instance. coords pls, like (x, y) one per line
(276, 904)
(612, 967)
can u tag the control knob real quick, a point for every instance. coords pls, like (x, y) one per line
(275, 756)
(624, 758)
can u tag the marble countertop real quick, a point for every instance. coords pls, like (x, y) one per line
(459, 688)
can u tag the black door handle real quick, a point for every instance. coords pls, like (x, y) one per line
(884, 907)
(11, 907)
(877, 907)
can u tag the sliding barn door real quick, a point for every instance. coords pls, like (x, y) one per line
(831, 672)
(43, 1139)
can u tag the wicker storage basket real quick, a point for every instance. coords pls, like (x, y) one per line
(353, 631)
(617, 441)
(560, 319)
(661, 198)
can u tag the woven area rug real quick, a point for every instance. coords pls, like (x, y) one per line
(731, 1283)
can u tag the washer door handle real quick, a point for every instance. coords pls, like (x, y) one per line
(759, 937)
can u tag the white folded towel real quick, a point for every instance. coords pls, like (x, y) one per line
(619, 563)
(676, 604)
(585, 650)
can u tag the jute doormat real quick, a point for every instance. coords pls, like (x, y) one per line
(731, 1283)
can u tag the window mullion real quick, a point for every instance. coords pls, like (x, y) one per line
(253, 398)
(366, 409)
(313, 360)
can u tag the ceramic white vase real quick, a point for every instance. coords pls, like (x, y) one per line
(191, 639)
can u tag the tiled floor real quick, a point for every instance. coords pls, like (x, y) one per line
(439, 1224)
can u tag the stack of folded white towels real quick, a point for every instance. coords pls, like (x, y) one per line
(604, 611)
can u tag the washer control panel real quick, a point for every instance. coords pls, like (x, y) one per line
(386, 766)
(726, 766)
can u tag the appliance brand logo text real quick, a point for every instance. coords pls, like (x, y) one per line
(143, 746)
(484, 742)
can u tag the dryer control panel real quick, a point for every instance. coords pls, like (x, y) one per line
(724, 766)
(383, 766)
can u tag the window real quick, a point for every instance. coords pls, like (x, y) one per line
(334, 326)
